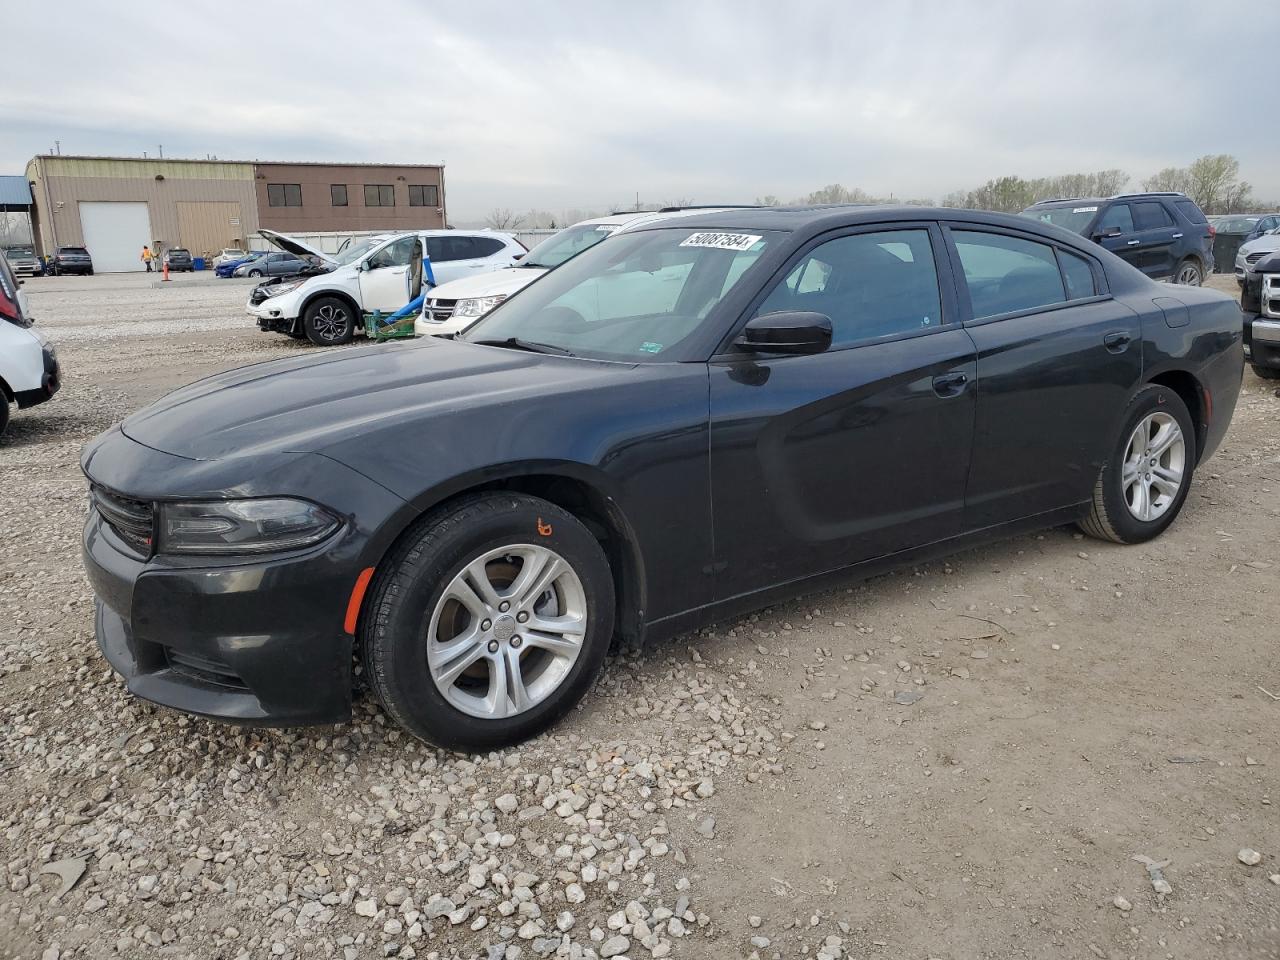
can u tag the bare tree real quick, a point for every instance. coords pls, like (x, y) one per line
(503, 218)
(1173, 179)
(1214, 180)
(768, 200)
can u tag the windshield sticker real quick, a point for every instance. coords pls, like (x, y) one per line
(650, 347)
(1085, 210)
(722, 241)
(608, 228)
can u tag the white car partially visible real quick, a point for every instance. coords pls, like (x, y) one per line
(383, 273)
(226, 254)
(451, 307)
(29, 372)
(1255, 250)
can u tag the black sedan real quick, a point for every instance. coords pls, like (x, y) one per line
(684, 422)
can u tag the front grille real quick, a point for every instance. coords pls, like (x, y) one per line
(205, 669)
(1255, 257)
(133, 521)
(439, 311)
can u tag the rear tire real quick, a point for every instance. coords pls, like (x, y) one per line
(1266, 373)
(255, 273)
(329, 322)
(4, 412)
(1135, 499)
(472, 674)
(1190, 273)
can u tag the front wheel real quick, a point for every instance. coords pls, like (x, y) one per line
(329, 322)
(488, 622)
(1143, 485)
(1189, 273)
(4, 412)
(1266, 373)
(255, 273)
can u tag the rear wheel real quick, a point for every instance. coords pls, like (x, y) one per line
(255, 273)
(4, 412)
(1189, 273)
(489, 622)
(1142, 486)
(1266, 373)
(329, 321)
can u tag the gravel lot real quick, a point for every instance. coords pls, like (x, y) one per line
(960, 760)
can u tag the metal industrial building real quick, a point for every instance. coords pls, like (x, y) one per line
(114, 205)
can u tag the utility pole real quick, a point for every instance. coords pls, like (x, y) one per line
(57, 147)
(160, 147)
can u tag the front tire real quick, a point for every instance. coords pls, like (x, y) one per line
(1266, 373)
(1189, 273)
(329, 322)
(4, 412)
(1144, 483)
(255, 273)
(489, 622)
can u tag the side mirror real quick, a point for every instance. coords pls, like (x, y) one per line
(787, 331)
(518, 257)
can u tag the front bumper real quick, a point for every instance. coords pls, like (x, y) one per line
(253, 640)
(50, 381)
(249, 643)
(1262, 341)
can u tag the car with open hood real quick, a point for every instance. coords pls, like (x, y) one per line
(382, 273)
(451, 307)
(794, 396)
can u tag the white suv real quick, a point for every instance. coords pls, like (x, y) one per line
(377, 273)
(451, 307)
(28, 363)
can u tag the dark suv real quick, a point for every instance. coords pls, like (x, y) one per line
(179, 259)
(71, 260)
(1165, 235)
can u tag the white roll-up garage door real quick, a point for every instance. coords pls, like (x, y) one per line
(114, 234)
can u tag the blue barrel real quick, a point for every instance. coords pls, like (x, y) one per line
(198, 263)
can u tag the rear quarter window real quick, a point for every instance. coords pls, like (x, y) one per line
(1189, 210)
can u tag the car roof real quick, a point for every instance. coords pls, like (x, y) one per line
(815, 219)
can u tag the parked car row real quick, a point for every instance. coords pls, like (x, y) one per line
(476, 515)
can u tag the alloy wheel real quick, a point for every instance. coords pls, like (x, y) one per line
(507, 631)
(331, 322)
(1155, 463)
(1189, 275)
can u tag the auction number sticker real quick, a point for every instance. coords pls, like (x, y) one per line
(1085, 210)
(722, 241)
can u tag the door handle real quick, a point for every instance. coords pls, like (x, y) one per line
(950, 384)
(1117, 342)
(1177, 236)
(1132, 243)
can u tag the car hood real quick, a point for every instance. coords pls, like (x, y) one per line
(312, 404)
(494, 284)
(1269, 241)
(296, 247)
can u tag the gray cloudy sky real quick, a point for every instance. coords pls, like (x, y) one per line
(567, 104)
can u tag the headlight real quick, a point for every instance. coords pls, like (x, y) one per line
(243, 526)
(279, 288)
(477, 307)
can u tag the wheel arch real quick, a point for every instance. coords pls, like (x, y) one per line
(342, 295)
(1191, 392)
(6, 391)
(573, 487)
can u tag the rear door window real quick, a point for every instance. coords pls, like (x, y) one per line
(486, 246)
(1117, 215)
(1151, 215)
(1007, 274)
(1077, 275)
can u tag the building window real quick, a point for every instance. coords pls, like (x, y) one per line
(424, 195)
(379, 195)
(284, 194)
(338, 194)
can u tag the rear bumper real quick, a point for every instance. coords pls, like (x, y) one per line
(50, 382)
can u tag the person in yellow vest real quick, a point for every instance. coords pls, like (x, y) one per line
(147, 257)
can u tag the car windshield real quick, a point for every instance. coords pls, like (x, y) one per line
(570, 242)
(1075, 218)
(20, 252)
(357, 250)
(1235, 224)
(178, 251)
(635, 297)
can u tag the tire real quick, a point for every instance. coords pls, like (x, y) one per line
(255, 273)
(1116, 513)
(1266, 373)
(1189, 273)
(329, 321)
(413, 615)
(4, 412)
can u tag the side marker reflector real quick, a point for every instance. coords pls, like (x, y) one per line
(357, 597)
